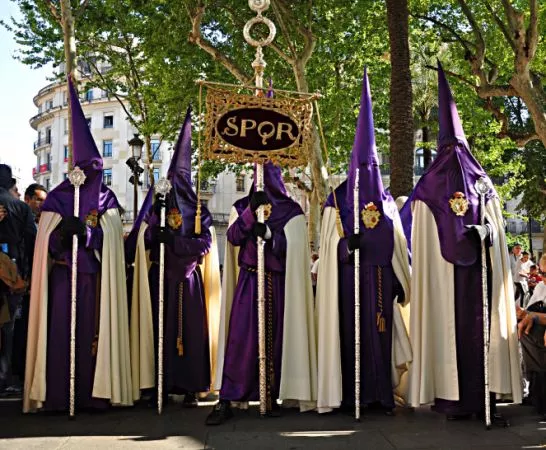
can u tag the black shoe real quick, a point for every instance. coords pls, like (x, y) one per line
(220, 413)
(190, 401)
(275, 410)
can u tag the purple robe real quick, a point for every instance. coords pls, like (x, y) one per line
(240, 380)
(189, 372)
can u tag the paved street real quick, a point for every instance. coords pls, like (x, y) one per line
(178, 428)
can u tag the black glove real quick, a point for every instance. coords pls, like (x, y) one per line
(69, 227)
(353, 242)
(258, 198)
(479, 231)
(259, 229)
(162, 235)
(160, 202)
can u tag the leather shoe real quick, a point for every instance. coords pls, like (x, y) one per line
(220, 413)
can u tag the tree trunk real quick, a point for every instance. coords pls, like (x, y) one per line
(400, 107)
(149, 157)
(67, 23)
(427, 152)
(320, 186)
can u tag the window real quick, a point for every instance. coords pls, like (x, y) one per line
(205, 203)
(156, 156)
(65, 122)
(48, 135)
(65, 176)
(49, 161)
(49, 105)
(47, 184)
(108, 121)
(65, 98)
(65, 153)
(240, 183)
(88, 122)
(156, 174)
(89, 95)
(107, 177)
(107, 148)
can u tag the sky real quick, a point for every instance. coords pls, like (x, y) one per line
(19, 84)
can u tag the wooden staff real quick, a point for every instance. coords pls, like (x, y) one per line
(77, 178)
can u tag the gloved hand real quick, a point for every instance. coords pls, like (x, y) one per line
(481, 231)
(260, 230)
(258, 198)
(69, 227)
(353, 242)
(159, 202)
(163, 235)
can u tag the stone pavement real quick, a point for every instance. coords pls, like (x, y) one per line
(140, 427)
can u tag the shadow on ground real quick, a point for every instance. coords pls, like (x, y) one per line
(141, 427)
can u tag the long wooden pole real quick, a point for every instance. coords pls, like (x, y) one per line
(356, 218)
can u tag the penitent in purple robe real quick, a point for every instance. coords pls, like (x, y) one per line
(185, 305)
(95, 199)
(376, 252)
(456, 170)
(240, 381)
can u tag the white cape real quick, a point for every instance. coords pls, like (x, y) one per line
(299, 359)
(433, 373)
(142, 332)
(327, 315)
(112, 377)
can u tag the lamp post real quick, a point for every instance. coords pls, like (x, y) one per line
(136, 145)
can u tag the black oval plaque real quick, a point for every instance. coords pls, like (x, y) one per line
(257, 129)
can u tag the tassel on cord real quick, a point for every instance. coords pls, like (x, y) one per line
(339, 225)
(198, 212)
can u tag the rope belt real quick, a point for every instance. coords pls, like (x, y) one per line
(381, 326)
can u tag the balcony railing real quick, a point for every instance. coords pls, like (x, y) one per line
(220, 218)
(45, 168)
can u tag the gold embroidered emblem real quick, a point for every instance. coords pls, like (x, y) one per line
(370, 215)
(92, 219)
(458, 204)
(267, 210)
(174, 218)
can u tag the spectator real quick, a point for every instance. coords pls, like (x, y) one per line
(14, 191)
(534, 278)
(35, 196)
(17, 235)
(531, 330)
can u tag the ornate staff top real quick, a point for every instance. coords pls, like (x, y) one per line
(259, 6)
(483, 186)
(162, 187)
(77, 177)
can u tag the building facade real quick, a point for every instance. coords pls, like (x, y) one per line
(111, 130)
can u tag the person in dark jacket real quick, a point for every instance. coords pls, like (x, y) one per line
(17, 236)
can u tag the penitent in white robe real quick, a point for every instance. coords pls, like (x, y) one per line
(433, 373)
(112, 377)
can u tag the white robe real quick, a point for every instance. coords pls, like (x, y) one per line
(112, 377)
(433, 373)
(142, 332)
(327, 314)
(299, 358)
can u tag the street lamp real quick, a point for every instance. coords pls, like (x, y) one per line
(136, 145)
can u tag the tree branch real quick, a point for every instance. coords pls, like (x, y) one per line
(195, 38)
(81, 9)
(509, 38)
(53, 10)
(284, 30)
(455, 75)
(466, 44)
(532, 30)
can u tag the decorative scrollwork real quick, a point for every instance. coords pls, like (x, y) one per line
(258, 6)
(262, 42)
(77, 177)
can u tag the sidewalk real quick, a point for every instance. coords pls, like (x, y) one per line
(141, 427)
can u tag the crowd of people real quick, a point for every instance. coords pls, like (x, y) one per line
(425, 291)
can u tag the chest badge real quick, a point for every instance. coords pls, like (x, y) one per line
(174, 219)
(370, 215)
(92, 218)
(458, 204)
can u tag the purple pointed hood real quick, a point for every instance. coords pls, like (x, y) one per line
(455, 170)
(94, 195)
(182, 196)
